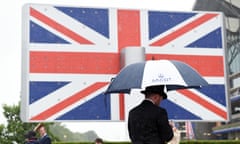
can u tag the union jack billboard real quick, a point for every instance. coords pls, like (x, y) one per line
(70, 55)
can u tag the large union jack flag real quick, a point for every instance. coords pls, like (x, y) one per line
(71, 53)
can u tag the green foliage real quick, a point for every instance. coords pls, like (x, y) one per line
(15, 129)
(2, 134)
(211, 142)
(182, 142)
(65, 135)
(91, 143)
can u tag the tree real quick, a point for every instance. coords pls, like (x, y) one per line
(15, 129)
(65, 135)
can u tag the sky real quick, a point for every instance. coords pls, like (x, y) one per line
(10, 56)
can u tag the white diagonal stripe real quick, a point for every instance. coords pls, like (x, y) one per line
(192, 35)
(76, 104)
(72, 24)
(77, 83)
(193, 106)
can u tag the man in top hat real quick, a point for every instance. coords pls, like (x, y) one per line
(148, 122)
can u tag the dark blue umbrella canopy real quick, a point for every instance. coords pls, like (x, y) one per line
(128, 78)
(171, 73)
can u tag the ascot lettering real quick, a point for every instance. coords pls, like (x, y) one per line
(161, 78)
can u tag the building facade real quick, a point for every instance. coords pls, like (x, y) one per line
(231, 10)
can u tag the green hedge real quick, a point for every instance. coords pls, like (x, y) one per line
(182, 142)
(211, 142)
(90, 143)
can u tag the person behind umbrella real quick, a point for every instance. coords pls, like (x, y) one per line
(31, 138)
(148, 122)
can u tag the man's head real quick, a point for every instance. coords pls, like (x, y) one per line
(41, 129)
(98, 141)
(155, 90)
(156, 93)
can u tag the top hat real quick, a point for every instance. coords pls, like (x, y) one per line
(155, 89)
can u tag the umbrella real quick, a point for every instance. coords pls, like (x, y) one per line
(172, 73)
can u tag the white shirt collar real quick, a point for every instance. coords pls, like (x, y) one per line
(148, 99)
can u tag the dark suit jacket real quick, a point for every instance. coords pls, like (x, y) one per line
(148, 124)
(45, 140)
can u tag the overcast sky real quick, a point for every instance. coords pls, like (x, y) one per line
(10, 15)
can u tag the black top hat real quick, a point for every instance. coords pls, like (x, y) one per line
(155, 89)
(30, 134)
